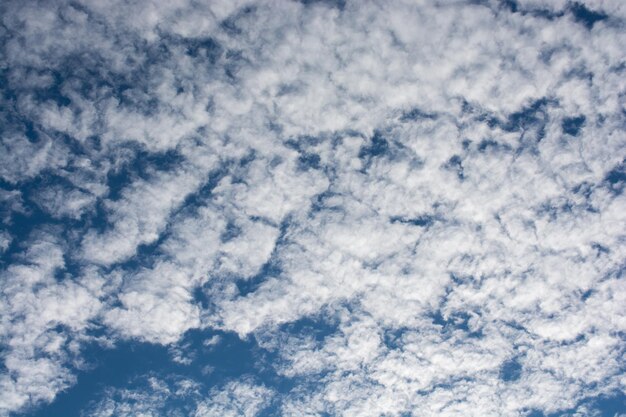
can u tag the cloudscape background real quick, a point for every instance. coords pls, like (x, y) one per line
(315, 208)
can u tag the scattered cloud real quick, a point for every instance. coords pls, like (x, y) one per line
(413, 209)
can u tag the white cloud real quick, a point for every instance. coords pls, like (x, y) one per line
(40, 318)
(403, 168)
(156, 397)
(139, 216)
(156, 306)
(150, 399)
(61, 203)
(5, 241)
(235, 399)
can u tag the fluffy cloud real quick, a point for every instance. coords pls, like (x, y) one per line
(437, 186)
(235, 399)
(42, 318)
(156, 397)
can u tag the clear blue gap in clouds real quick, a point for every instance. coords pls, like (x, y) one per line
(129, 364)
(579, 12)
(603, 406)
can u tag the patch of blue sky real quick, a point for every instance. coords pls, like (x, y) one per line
(215, 358)
(455, 164)
(585, 15)
(424, 220)
(572, 125)
(616, 178)
(457, 321)
(32, 217)
(128, 364)
(250, 284)
(608, 405)
(511, 370)
(578, 10)
(339, 4)
(417, 114)
(135, 162)
(378, 146)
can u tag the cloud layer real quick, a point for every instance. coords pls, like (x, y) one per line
(411, 208)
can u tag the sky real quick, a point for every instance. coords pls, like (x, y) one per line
(312, 208)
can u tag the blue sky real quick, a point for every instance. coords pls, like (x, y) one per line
(312, 208)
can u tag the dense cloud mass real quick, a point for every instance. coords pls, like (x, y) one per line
(315, 208)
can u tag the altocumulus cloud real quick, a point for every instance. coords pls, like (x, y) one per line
(314, 208)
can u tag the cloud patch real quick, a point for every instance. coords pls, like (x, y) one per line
(412, 209)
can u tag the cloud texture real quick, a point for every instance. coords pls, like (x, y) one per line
(407, 208)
